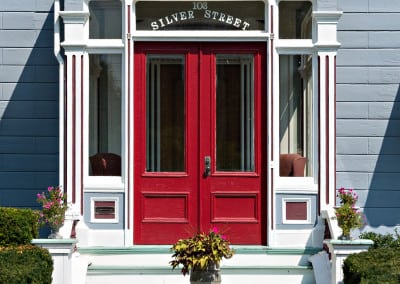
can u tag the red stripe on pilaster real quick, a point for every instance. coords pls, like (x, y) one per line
(319, 135)
(272, 113)
(327, 136)
(65, 117)
(129, 120)
(73, 160)
(82, 170)
(334, 125)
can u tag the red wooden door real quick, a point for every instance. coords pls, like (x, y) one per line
(199, 141)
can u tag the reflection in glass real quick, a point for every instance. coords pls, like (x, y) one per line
(295, 20)
(235, 113)
(296, 114)
(105, 112)
(105, 20)
(165, 119)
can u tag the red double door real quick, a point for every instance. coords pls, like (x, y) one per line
(199, 132)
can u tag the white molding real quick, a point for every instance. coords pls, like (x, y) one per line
(101, 183)
(299, 185)
(295, 46)
(307, 221)
(195, 36)
(74, 17)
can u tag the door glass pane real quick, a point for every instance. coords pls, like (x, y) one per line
(235, 113)
(165, 108)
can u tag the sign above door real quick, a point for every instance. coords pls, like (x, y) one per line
(214, 15)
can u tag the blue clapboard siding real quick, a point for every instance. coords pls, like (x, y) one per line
(368, 107)
(28, 101)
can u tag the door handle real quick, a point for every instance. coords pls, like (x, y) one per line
(207, 166)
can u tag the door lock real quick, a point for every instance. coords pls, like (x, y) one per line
(207, 166)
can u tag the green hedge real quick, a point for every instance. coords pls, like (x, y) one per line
(378, 265)
(25, 264)
(381, 241)
(17, 226)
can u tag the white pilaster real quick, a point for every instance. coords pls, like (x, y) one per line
(340, 250)
(327, 45)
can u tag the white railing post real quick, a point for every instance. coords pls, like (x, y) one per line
(61, 252)
(340, 250)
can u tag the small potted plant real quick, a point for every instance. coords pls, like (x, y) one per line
(347, 215)
(54, 205)
(201, 256)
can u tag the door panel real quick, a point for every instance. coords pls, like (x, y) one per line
(232, 196)
(198, 141)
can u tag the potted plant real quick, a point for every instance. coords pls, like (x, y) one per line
(201, 256)
(54, 205)
(347, 215)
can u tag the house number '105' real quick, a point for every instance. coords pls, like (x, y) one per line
(199, 5)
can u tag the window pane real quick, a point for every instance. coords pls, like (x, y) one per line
(296, 115)
(235, 113)
(165, 119)
(105, 20)
(295, 20)
(214, 15)
(105, 114)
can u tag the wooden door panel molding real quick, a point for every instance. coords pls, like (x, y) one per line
(235, 207)
(165, 207)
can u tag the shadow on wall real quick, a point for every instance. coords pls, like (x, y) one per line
(28, 102)
(382, 205)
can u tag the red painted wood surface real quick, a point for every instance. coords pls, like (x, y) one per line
(173, 205)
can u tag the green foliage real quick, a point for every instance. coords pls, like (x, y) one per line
(17, 226)
(25, 264)
(379, 265)
(200, 250)
(381, 241)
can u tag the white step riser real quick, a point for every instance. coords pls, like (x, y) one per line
(269, 276)
(161, 260)
(149, 267)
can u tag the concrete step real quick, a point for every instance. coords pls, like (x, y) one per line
(150, 265)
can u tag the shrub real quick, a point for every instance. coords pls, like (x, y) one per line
(380, 265)
(381, 241)
(17, 226)
(25, 264)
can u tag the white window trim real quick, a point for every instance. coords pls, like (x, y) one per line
(92, 210)
(302, 222)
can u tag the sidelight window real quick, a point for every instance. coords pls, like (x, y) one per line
(105, 114)
(105, 20)
(296, 115)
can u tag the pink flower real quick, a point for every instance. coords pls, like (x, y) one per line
(50, 188)
(215, 230)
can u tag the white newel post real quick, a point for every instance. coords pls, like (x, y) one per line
(340, 250)
(61, 252)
